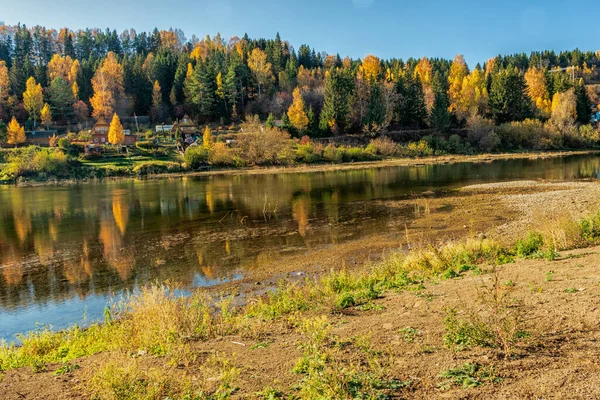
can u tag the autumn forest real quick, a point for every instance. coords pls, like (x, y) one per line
(64, 77)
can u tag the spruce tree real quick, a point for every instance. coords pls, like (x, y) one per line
(584, 104)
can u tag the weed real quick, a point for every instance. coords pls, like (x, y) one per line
(409, 334)
(66, 369)
(529, 246)
(509, 283)
(571, 290)
(261, 345)
(549, 276)
(468, 375)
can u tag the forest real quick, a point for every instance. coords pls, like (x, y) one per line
(62, 78)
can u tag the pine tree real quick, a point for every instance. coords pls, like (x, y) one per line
(508, 100)
(115, 131)
(61, 98)
(200, 89)
(335, 115)
(270, 122)
(440, 118)
(584, 104)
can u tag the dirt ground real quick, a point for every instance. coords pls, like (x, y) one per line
(559, 299)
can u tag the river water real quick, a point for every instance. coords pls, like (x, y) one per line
(66, 250)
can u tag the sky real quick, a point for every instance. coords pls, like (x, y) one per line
(387, 28)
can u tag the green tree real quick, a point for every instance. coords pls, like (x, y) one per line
(61, 99)
(508, 100)
(335, 116)
(584, 104)
(411, 108)
(200, 89)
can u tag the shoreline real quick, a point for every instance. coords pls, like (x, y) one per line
(309, 168)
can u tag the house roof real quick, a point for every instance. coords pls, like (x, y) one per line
(101, 122)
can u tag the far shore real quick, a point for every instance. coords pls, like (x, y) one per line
(306, 168)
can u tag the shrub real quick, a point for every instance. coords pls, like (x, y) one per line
(305, 153)
(64, 143)
(221, 154)
(529, 246)
(420, 149)
(37, 163)
(384, 147)
(528, 134)
(156, 167)
(195, 156)
(264, 146)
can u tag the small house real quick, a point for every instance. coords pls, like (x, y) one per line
(100, 130)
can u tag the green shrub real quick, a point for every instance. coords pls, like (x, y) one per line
(306, 154)
(156, 167)
(37, 163)
(195, 156)
(64, 143)
(417, 149)
(529, 246)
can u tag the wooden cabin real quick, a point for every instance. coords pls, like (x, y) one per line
(100, 134)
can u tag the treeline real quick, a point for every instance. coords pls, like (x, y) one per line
(63, 77)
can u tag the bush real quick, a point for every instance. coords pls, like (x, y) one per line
(36, 163)
(157, 167)
(64, 143)
(384, 147)
(528, 134)
(306, 154)
(420, 149)
(195, 156)
(221, 154)
(264, 146)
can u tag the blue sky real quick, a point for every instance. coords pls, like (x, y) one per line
(387, 28)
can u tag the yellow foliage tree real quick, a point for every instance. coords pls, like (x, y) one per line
(473, 95)
(46, 115)
(108, 86)
(4, 83)
(370, 68)
(261, 69)
(536, 89)
(458, 72)
(296, 112)
(207, 138)
(33, 98)
(115, 131)
(424, 71)
(15, 133)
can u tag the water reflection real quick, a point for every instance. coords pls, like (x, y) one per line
(64, 247)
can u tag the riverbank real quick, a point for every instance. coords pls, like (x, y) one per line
(447, 319)
(154, 170)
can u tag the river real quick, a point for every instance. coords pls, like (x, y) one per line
(65, 251)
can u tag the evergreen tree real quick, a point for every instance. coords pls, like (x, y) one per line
(335, 115)
(508, 100)
(201, 91)
(410, 109)
(584, 104)
(440, 118)
(61, 99)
